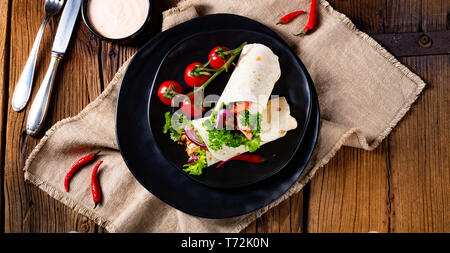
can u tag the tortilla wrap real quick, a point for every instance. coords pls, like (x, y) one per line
(275, 123)
(253, 79)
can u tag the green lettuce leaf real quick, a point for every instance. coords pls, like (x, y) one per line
(179, 121)
(196, 168)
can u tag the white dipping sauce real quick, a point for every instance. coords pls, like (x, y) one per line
(116, 19)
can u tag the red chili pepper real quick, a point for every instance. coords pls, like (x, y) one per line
(312, 19)
(289, 17)
(246, 158)
(77, 165)
(95, 185)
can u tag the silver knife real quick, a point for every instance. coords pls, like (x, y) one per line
(39, 107)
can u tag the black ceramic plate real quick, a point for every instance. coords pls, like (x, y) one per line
(150, 167)
(292, 85)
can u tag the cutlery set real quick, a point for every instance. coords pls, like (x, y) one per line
(23, 88)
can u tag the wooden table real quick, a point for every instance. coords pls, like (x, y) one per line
(402, 186)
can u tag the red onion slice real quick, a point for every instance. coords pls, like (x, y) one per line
(190, 133)
(222, 117)
(192, 159)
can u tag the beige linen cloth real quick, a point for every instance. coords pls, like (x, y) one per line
(363, 93)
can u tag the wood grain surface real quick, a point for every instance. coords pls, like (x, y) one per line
(402, 186)
(4, 73)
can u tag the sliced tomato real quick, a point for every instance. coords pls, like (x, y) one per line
(240, 107)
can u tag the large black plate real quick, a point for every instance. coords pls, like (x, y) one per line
(292, 85)
(142, 154)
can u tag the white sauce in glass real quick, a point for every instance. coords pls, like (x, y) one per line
(116, 19)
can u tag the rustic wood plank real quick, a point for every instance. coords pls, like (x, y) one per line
(400, 20)
(16, 204)
(284, 214)
(4, 66)
(435, 15)
(419, 144)
(350, 194)
(367, 15)
(287, 217)
(419, 156)
(268, 222)
(27, 209)
(276, 220)
(415, 44)
(297, 212)
(402, 16)
(112, 57)
(250, 228)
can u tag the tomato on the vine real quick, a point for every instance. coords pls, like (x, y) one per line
(192, 107)
(216, 59)
(195, 78)
(167, 90)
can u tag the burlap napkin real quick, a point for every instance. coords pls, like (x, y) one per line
(363, 92)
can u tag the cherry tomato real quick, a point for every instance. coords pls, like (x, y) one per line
(188, 108)
(194, 81)
(216, 61)
(166, 95)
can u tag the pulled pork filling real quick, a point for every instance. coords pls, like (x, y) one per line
(191, 147)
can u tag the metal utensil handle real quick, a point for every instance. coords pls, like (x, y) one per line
(38, 109)
(23, 88)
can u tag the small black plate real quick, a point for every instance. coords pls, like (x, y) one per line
(292, 85)
(141, 153)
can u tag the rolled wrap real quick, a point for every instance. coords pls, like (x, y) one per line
(253, 80)
(276, 121)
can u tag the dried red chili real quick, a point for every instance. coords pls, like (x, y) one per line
(77, 165)
(246, 158)
(95, 185)
(312, 19)
(289, 17)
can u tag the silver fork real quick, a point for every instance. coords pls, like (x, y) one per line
(23, 88)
